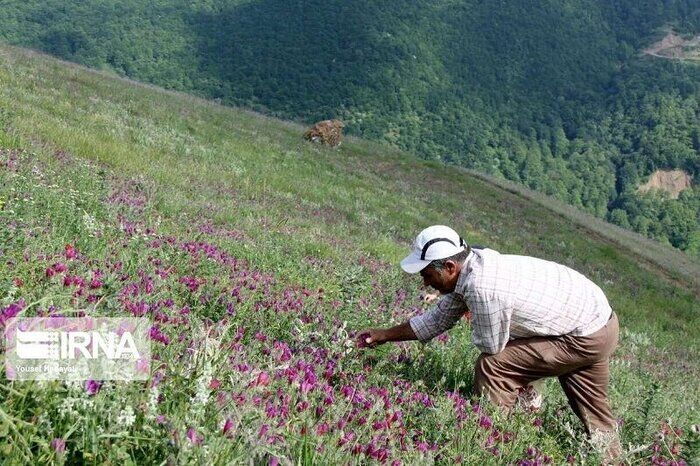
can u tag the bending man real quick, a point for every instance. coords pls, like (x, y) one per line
(531, 319)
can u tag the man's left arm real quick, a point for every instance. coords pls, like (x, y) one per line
(440, 318)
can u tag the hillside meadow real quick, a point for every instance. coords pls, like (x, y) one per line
(257, 256)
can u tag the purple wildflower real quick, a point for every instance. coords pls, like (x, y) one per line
(11, 311)
(58, 445)
(156, 334)
(71, 253)
(193, 437)
(485, 422)
(92, 387)
(228, 425)
(322, 429)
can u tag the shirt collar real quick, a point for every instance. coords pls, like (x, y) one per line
(466, 270)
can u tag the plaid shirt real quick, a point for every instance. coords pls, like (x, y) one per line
(516, 297)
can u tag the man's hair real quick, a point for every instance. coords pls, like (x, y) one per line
(460, 257)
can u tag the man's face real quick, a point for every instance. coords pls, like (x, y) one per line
(444, 280)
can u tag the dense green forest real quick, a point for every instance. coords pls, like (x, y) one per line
(555, 95)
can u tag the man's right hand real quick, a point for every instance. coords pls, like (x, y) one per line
(370, 338)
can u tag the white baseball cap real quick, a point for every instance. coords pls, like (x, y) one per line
(435, 242)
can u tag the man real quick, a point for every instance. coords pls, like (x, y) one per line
(531, 319)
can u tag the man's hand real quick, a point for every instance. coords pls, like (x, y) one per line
(373, 337)
(370, 338)
(429, 297)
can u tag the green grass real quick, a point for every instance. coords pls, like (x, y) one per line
(311, 218)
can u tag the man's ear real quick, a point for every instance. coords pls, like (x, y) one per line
(451, 266)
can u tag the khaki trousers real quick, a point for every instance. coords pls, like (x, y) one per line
(580, 363)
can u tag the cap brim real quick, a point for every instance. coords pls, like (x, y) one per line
(413, 264)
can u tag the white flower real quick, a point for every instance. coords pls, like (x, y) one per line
(201, 396)
(91, 224)
(67, 407)
(126, 417)
(153, 403)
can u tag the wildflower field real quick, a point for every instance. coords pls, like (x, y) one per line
(257, 257)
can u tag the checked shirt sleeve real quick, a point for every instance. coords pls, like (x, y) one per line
(490, 324)
(442, 317)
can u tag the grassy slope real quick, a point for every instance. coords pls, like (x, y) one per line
(337, 220)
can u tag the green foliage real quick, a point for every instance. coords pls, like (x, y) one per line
(657, 216)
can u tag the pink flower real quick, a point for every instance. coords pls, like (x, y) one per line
(58, 445)
(59, 267)
(285, 352)
(322, 429)
(485, 422)
(214, 384)
(309, 382)
(228, 425)
(11, 311)
(193, 437)
(71, 253)
(92, 387)
(345, 438)
(143, 366)
(157, 335)
(192, 283)
(262, 380)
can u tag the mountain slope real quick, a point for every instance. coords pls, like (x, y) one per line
(256, 253)
(553, 95)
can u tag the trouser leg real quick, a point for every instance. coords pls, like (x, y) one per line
(587, 391)
(499, 376)
(582, 362)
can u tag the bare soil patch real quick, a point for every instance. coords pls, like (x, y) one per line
(671, 181)
(676, 47)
